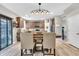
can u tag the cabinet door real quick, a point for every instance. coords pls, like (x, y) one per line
(3, 33)
(9, 32)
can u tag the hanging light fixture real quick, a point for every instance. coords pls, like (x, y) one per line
(40, 11)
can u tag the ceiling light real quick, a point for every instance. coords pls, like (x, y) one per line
(39, 11)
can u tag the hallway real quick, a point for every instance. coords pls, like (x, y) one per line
(62, 49)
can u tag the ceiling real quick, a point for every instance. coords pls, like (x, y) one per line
(24, 9)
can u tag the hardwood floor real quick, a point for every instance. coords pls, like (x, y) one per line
(65, 49)
(62, 49)
(13, 50)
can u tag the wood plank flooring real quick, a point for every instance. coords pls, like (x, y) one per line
(65, 49)
(62, 49)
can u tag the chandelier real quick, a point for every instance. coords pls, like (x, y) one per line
(39, 11)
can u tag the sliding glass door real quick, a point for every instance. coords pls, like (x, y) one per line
(5, 32)
(9, 32)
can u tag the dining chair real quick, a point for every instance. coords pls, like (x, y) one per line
(26, 42)
(49, 40)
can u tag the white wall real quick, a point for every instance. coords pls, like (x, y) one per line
(14, 35)
(48, 24)
(73, 29)
(64, 24)
(58, 25)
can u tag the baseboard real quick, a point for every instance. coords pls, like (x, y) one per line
(58, 36)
